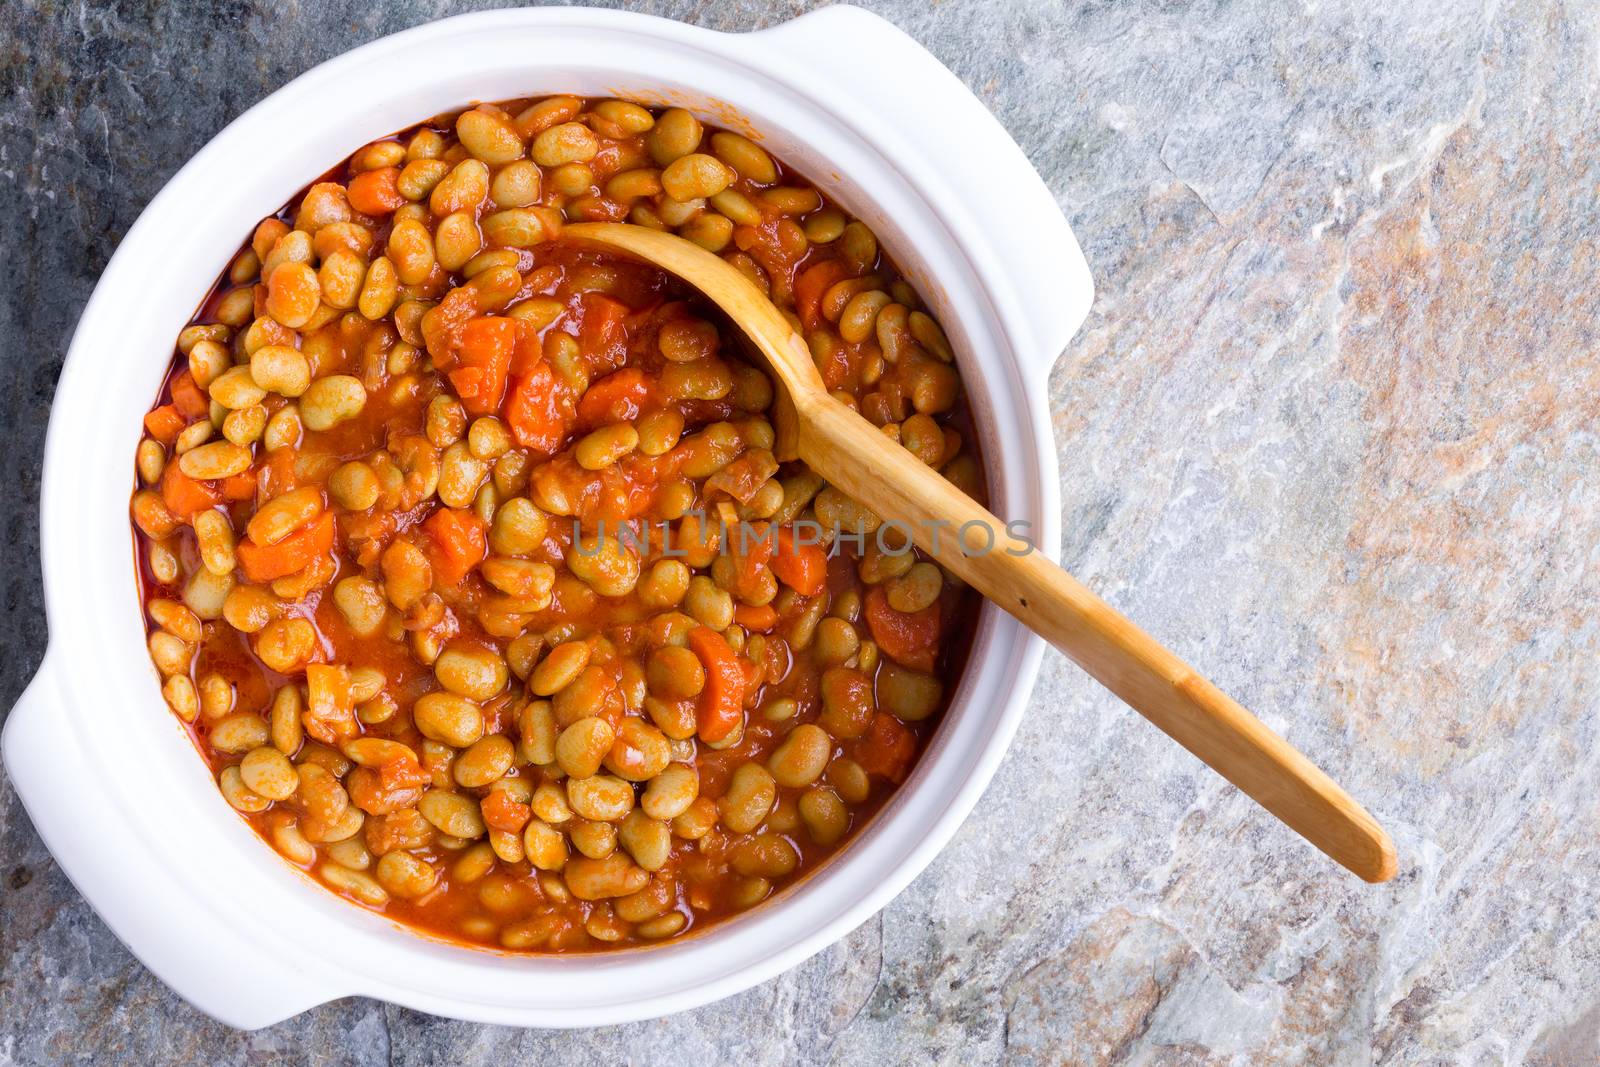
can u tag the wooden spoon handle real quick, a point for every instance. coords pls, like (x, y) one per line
(852, 454)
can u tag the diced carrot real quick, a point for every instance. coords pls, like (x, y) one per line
(721, 702)
(376, 192)
(467, 382)
(802, 567)
(538, 410)
(761, 618)
(241, 486)
(263, 563)
(485, 359)
(809, 287)
(459, 543)
(886, 749)
(615, 398)
(601, 336)
(184, 496)
(911, 638)
(188, 398)
(488, 339)
(504, 813)
(165, 423)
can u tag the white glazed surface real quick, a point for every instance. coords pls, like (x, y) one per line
(108, 777)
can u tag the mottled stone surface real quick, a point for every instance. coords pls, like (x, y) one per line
(1331, 431)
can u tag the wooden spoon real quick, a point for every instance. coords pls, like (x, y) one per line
(851, 453)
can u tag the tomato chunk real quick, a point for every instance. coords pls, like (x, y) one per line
(487, 345)
(539, 410)
(911, 638)
(887, 748)
(751, 551)
(809, 287)
(404, 772)
(443, 325)
(601, 336)
(277, 475)
(505, 813)
(459, 541)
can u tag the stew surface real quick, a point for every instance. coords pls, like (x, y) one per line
(470, 557)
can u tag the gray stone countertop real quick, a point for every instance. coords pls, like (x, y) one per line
(1330, 431)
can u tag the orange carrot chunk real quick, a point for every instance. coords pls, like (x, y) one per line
(802, 567)
(721, 704)
(760, 619)
(376, 192)
(263, 563)
(529, 349)
(241, 486)
(165, 423)
(184, 496)
(188, 398)
(615, 398)
(504, 813)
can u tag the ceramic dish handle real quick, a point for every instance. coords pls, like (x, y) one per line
(965, 148)
(216, 969)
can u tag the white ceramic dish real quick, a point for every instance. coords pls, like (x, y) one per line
(114, 787)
